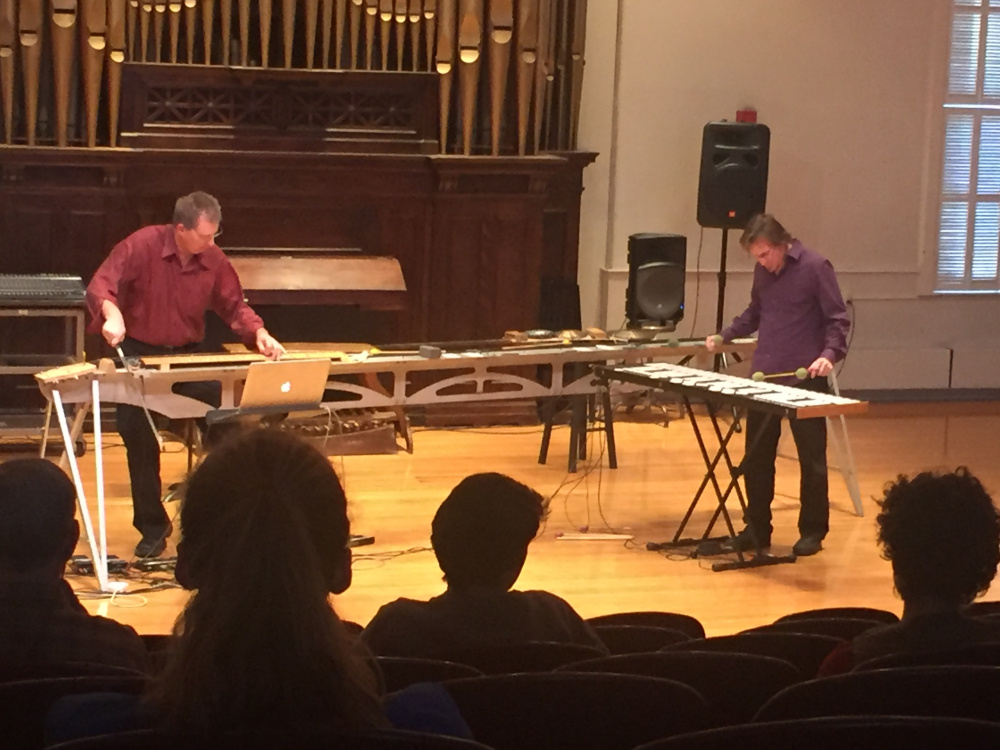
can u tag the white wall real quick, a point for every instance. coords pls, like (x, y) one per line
(851, 91)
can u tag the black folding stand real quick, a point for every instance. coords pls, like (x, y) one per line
(707, 545)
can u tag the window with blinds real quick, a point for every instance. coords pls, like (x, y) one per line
(969, 227)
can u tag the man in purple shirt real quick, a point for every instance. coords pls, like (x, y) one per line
(799, 314)
(149, 297)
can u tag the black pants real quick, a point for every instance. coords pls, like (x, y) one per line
(762, 434)
(142, 450)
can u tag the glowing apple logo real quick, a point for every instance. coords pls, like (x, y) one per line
(286, 387)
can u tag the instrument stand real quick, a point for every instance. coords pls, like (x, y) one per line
(760, 558)
(721, 303)
(840, 443)
(708, 545)
(98, 542)
(706, 542)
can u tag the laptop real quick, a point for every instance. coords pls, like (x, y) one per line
(285, 385)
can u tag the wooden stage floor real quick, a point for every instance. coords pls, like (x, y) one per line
(393, 498)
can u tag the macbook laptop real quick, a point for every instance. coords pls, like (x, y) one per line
(291, 384)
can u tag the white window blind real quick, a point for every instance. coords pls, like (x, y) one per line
(969, 222)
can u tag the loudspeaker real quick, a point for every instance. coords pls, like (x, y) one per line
(655, 294)
(732, 186)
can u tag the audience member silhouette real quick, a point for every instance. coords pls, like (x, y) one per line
(480, 536)
(941, 532)
(264, 542)
(41, 621)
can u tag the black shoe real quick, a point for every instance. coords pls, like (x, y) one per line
(150, 547)
(744, 542)
(153, 545)
(808, 545)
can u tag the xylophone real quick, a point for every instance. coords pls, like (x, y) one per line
(718, 389)
(740, 392)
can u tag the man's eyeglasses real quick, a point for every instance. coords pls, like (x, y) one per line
(209, 238)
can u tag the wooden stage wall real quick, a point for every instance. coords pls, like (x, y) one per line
(475, 237)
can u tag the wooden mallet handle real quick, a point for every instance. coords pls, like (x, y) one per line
(801, 373)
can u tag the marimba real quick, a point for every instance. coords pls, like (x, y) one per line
(719, 389)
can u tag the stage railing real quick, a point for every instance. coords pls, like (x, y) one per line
(509, 72)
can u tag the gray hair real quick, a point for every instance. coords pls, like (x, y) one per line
(192, 207)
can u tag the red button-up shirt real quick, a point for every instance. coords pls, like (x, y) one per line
(164, 303)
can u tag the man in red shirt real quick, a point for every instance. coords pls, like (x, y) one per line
(149, 297)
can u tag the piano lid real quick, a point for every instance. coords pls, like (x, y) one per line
(306, 276)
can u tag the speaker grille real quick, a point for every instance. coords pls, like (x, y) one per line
(655, 293)
(732, 185)
(659, 290)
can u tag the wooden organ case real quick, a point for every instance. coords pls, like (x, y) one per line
(438, 133)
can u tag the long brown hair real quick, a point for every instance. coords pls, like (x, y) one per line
(265, 534)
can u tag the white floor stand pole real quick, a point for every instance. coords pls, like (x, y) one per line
(97, 555)
(849, 470)
(99, 470)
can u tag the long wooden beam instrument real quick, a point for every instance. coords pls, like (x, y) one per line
(527, 60)
(63, 32)
(288, 29)
(159, 22)
(116, 58)
(416, 19)
(356, 12)
(190, 23)
(444, 62)
(264, 8)
(430, 32)
(312, 26)
(93, 43)
(8, 36)
(500, 35)
(470, 40)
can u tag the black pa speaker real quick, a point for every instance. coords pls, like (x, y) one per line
(655, 294)
(732, 186)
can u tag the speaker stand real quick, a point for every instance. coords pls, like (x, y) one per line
(720, 309)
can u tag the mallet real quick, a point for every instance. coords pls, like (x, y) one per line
(802, 373)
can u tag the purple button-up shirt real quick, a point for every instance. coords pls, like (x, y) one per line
(799, 314)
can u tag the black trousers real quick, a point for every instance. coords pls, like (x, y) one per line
(762, 434)
(141, 448)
